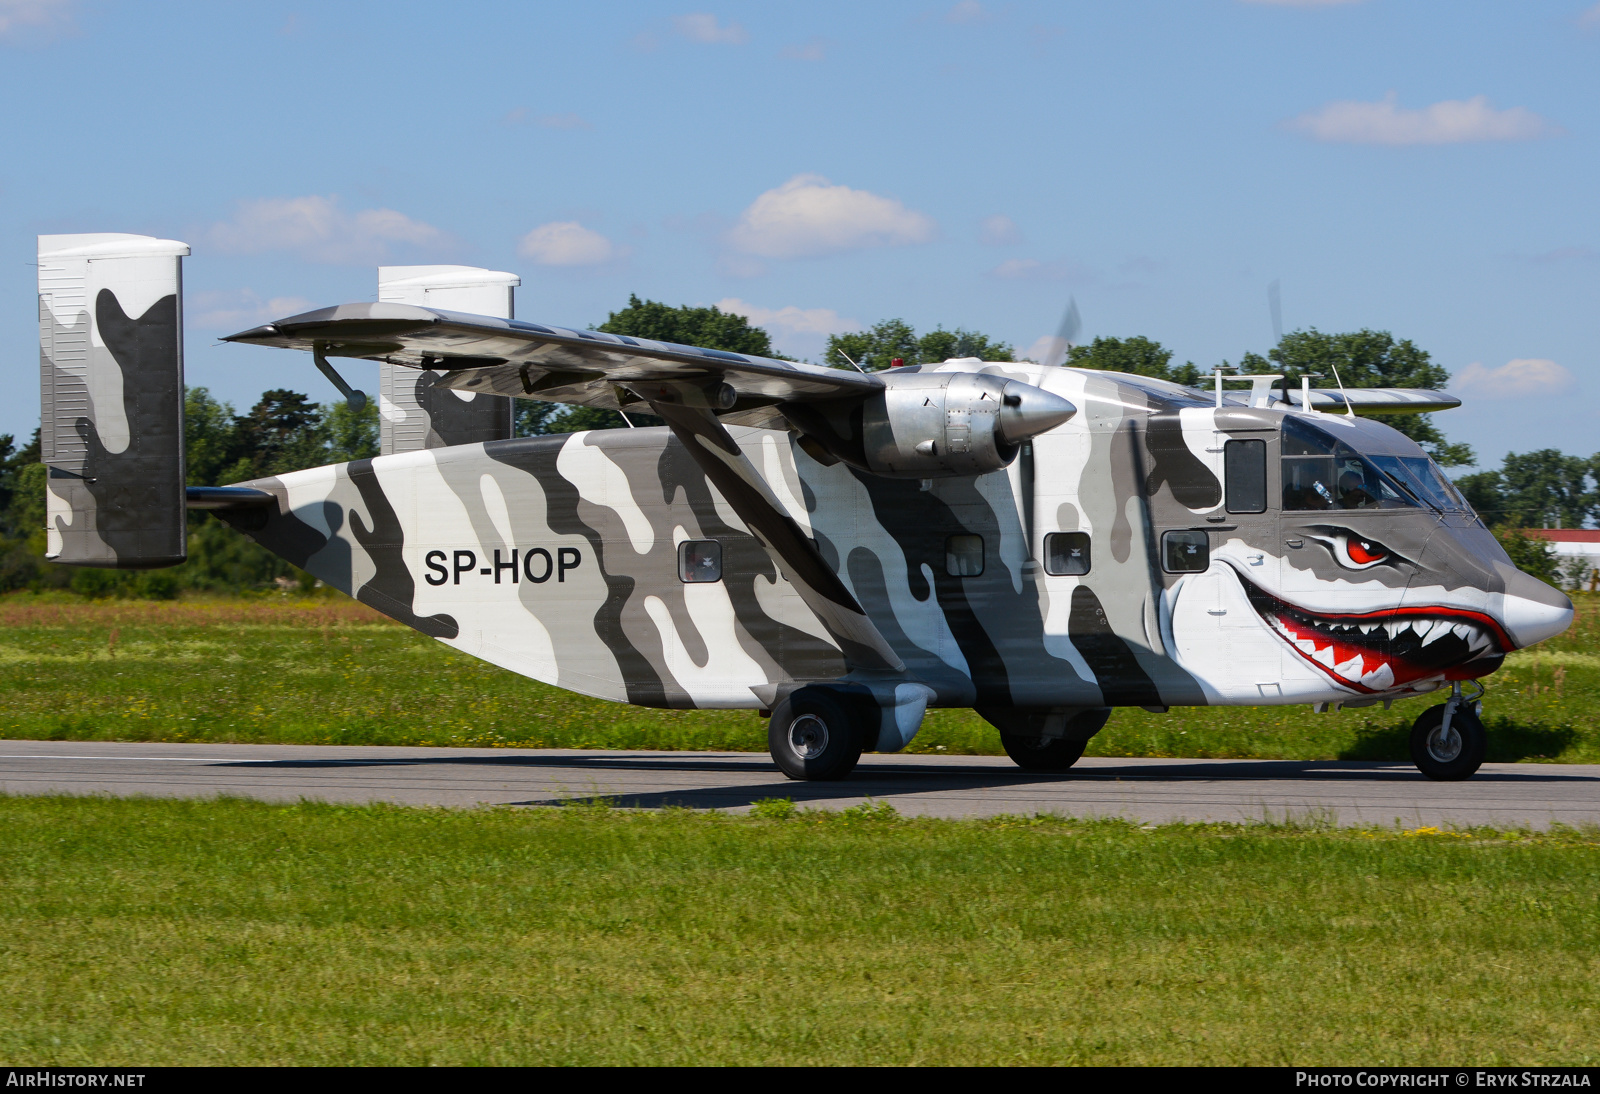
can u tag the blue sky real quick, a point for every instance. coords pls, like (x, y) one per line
(1429, 168)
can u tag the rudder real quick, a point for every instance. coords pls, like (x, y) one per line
(111, 378)
(413, 413)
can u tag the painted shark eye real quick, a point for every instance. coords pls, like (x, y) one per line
(1358, 552)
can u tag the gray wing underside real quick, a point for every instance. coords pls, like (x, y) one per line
(551, 364)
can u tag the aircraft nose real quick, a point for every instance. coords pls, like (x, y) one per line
(1533, 611)
(1030, 411)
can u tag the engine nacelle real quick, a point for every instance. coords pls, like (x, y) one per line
(926, 425)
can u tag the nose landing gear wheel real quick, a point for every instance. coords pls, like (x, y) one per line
(1448, 754)
(815, 736)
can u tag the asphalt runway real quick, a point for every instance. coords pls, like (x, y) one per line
(1149, 791)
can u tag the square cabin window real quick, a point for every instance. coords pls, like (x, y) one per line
(1245, 467)
(699, 560)
(1186, 552)
(1066, 553)
(963, 556)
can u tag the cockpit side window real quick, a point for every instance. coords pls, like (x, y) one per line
(1320, 472)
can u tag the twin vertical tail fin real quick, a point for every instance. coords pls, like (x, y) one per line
(111, 365)
(413, 414)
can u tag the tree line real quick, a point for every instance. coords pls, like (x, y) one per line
(285, 430)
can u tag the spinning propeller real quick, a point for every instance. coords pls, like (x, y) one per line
(1066, 335)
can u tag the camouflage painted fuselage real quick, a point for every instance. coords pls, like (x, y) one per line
(557, 558)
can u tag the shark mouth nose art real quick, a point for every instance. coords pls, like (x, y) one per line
(1388, 649)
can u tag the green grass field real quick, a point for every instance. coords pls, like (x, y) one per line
(326, 670)
(141, 932)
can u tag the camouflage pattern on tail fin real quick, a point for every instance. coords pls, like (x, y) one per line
(111, 375)
(413, 412)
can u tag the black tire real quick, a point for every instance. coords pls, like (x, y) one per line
(1022, 735)
(816, 735)
(1042, 753)
(1452, 759)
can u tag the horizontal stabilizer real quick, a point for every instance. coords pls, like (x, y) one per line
(227, 497)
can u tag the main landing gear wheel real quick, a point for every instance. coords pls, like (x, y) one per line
(816, 735)
(1022, 734)
(1448, 754)
(1042, 753)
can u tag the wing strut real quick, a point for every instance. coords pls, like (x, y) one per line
(732, 473)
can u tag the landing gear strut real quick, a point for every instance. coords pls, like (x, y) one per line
(1448, 742)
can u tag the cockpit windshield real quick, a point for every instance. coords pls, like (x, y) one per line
(1423, 478)
(1320, 472)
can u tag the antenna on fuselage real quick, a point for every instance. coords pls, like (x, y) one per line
(853, 365)
(1349, 410)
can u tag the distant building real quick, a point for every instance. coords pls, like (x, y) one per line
(1579, 552)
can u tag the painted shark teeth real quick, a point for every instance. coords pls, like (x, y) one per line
(1381, 655)
(1380, 678)
(1351, 669)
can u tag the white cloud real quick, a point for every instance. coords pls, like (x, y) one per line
(999, 231)
(567, 243)
(800, 332)
(1521, 378)
(809, 216)
(1032, 269)
(239, 309)
(968, 11)
(1590, 18)
(1453, 121)
(23, 19)
(316, 228)
(814, 49)
(790, 319)
(703, 27)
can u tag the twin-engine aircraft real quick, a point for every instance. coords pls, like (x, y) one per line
(839, 550)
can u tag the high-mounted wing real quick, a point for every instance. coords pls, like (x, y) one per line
(1379, 400)
(1262, 393)
(551, 364)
